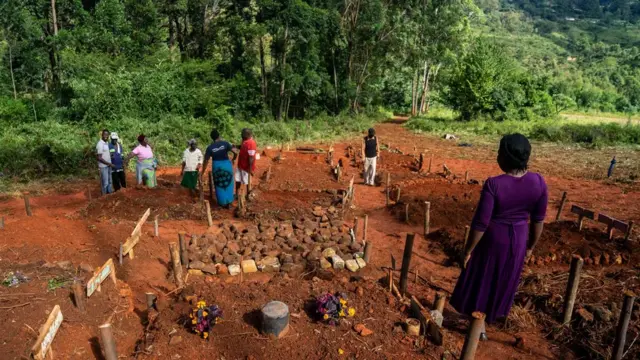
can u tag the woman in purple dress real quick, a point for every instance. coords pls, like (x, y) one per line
(507, 224)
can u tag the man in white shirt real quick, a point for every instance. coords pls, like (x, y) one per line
(104, 163)
(191, 162)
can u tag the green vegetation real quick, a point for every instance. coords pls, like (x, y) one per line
(301, 70)
(442, 121)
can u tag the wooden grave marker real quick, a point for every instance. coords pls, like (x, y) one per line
(48, 332)
(582, 214)
(127, 247)
(106, 270)
(620, 225)
(607, 220)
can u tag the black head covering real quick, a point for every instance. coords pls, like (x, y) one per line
(514, 152)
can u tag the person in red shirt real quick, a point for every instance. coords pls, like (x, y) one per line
(246, 160)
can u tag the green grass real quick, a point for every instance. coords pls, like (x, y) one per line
(52, 149)
(596, 134)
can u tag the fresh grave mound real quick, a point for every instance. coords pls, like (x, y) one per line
(322, 239)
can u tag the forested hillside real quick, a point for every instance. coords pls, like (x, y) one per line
(175, 68)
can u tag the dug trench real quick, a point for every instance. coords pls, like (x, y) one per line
(68, 231)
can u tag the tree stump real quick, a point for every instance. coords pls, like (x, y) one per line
(275, 319)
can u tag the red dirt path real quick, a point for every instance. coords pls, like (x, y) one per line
(66, 226)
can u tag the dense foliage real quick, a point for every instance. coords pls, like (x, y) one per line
(176, 68)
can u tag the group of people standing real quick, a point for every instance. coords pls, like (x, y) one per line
(112, 164)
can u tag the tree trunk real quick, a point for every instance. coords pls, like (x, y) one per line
(54, 17)
(435, 75)
(263, 70)
(282, 69)
(180, 35)
(425, 86)
(335, 80)
(13, 81)
(172, 33)
(414, 94)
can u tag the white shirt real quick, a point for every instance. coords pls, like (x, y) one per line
(102, 149)
(191, 159)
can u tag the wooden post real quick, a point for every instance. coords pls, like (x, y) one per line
(427, 217)
(355, 228)
(364, 231)
(406, 213)
(623, 325)
(406, 261)
(209, 219)
(473, 336)
(440, 302)
(572, 288)
(120, 255)
(155, 226)
(398, 195)
(430, 163)
(78, 295)
(421, 162)
(388, 184)
(466, 176)
(629, 229)
(211, 193)
(268, 174)
(367, 252)
(27, 204)
(151, 301)
(562, 202)
(183, 248)
(338, 172)
(108, 343)
(175, 260)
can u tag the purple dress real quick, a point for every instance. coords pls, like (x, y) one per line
(490, 281)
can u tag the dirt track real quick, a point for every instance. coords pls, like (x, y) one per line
(66, 226)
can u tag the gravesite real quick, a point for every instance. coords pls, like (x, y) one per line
(355, 179)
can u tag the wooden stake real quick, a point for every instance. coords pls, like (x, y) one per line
(572, 288)
(421, 162)
(120, 255)
(398, 195)
(367, 252)
(175, 260)
(390, 280)
(406, 261)
(440, 302)
(388, 184)
(268, 174)
(209, 219)
(427, 217)
(338, 172)
(623, 325)
(108, 343)
(355, 228)
(415, 279)
(27, 205)
(183, 248)
(430, 163)
(364, 231)
(155, 226)
(629, 229)
(562, 202)
(78, 295)
(406, 213)
(211, 183)
(473, 336)
(466, 176)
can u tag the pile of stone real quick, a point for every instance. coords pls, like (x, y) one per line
(318, 240)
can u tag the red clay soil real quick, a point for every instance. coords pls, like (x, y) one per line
(66, 226)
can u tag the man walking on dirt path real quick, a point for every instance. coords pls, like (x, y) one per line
(370, 152)
(191, 163)
(246, 160)
(104, 163)
(118, 176)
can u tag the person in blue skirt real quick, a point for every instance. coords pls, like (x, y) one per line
(222, 168)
